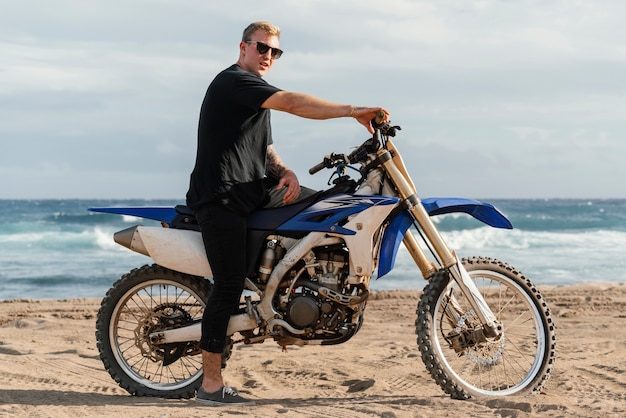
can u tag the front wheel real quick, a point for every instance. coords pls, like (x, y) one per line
(461, 359)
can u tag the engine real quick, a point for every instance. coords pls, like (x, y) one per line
(314, 299)
(312, 303)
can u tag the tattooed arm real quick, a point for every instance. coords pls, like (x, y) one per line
(275, 165)
(276, 168)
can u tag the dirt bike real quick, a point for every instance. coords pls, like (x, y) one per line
(482, 327)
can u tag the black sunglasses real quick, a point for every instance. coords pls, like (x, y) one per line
(262, 48)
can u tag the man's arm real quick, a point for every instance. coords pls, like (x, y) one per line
(275, 165)
(276, 168)
(311, 107)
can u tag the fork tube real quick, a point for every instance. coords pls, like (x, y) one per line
(425, 266)
(394, 167)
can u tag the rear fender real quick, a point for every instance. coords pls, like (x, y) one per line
(161, 214)
(177, 249)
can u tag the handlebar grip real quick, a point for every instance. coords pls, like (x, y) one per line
(380, 117)
(317, 168)
(377, 122)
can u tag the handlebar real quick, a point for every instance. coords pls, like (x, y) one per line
(330, 161)
(369, 146)
(318, 167)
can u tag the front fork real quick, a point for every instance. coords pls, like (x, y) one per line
(394, 168)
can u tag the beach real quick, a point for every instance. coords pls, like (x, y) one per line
(49, 366)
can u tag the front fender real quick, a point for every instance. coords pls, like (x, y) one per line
(394, 233)
(483, 211)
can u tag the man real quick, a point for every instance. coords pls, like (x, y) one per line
(235, 153)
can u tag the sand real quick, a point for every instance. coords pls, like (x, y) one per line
(49, 367)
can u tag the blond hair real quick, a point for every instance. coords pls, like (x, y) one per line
(267, 27)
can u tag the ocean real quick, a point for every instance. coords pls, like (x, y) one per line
(56, 249)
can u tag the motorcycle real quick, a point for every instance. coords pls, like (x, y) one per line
(483, 328)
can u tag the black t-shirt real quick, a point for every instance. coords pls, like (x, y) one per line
(233, 135)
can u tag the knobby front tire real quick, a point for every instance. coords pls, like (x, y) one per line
(518, 363)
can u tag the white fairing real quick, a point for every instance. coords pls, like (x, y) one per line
(177, 249)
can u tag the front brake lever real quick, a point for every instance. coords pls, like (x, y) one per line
(390, 130)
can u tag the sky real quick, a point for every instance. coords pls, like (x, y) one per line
(496, 99)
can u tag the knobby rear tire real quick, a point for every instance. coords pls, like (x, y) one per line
(519, 363)
(145, 300)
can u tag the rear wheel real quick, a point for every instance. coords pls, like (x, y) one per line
(458, 355)
(143, 301)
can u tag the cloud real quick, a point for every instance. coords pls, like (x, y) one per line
(519, 99)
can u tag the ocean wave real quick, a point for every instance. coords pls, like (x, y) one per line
(486, 237)
(58, 248)
(546, 257)
(82, 239)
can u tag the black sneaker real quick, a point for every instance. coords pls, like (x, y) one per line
(225, 396)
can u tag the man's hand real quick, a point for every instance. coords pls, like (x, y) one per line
(364, 116)
(289, 179)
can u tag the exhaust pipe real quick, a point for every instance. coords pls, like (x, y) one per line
(130, 239)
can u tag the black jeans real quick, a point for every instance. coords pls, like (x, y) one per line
(224, 236)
